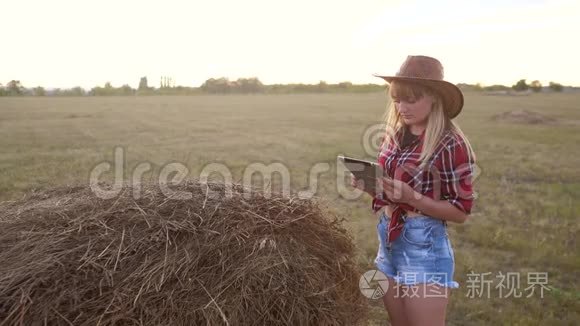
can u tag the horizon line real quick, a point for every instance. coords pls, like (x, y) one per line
(272, 84)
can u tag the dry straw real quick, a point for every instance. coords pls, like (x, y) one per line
(70, 258)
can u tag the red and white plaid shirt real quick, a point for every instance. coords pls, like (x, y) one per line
(447, 175)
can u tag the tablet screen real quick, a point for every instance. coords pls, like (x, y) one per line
(366, 171)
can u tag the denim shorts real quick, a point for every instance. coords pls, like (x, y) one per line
(422, 252)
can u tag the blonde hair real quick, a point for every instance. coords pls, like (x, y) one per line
(438, 123)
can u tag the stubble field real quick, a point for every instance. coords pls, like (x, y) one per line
(525, 218)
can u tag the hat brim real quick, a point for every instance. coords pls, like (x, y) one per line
(451, 94)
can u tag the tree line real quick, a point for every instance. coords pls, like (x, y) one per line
(211, 86)
(520, 86)
(240, 86)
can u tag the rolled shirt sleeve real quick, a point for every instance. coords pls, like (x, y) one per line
(457, 176)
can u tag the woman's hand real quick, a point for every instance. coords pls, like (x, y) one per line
(398, 191)
(356, 183)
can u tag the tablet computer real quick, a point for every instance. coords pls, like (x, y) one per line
(366, 171)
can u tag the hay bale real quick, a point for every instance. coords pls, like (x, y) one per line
(69, 257)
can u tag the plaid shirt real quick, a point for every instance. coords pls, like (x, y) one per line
(446, 176)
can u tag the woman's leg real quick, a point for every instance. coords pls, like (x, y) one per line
(426, 304)
(424, 258)
(392, 299)
(394, 304)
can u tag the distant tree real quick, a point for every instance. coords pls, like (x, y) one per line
(143, 84)
(2, 90)
(494, 88)
(345, 85)
(220, 85)
(556, 87)
(167, 82)
(39, 91)
(76, 91)
(96, 91)
(470, 87)
(14, 87)
(126, 90)
(322, 86)
(536, 86)
(249, 85)
(301, 88)
(521, 86)
(107, 90)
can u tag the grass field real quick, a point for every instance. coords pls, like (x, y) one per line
(524, 220)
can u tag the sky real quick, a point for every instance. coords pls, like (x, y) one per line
(60, 43)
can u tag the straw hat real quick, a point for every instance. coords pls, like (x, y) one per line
(428, 71)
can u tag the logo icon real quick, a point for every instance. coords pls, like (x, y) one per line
(373, 284)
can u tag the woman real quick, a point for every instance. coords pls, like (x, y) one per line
(428, 166)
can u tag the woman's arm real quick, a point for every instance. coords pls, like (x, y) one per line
(455, 179)
(400, 192)
(441, 209)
